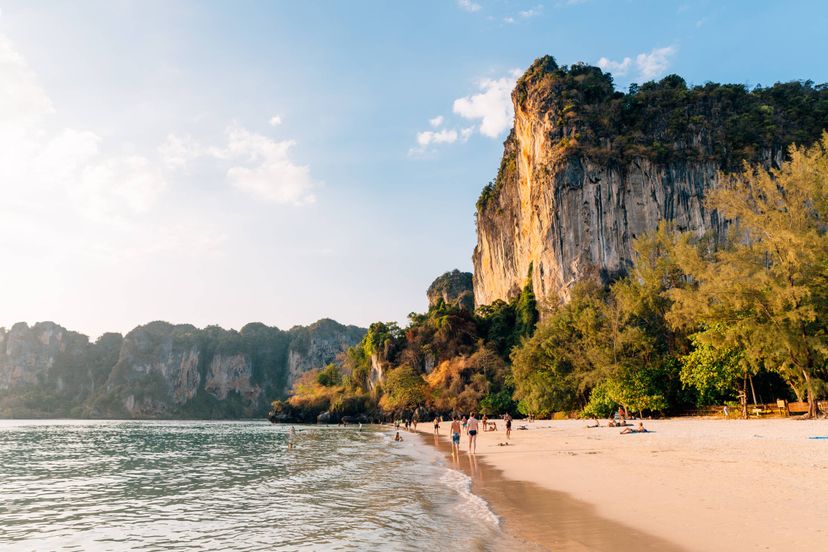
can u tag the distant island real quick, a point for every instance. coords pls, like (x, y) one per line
(159, 370)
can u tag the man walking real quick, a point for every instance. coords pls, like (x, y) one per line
(472, 425)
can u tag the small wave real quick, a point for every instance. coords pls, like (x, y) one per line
(469, 502)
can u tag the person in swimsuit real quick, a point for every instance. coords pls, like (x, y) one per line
(641, 429)
(485, 421)
(465, 423)
(472, 425)
(397, 437)
(508, 426)
(436, 425)
(455, 434)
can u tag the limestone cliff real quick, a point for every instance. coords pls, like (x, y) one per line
(159, 370)
(586, 169)
(320, 343)
(452, 288)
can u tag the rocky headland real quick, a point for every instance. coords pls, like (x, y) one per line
(160, 370)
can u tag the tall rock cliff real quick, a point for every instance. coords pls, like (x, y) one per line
(586, 169)
(159, 370)
(452, 288)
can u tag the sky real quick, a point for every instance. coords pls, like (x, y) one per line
(225, 162)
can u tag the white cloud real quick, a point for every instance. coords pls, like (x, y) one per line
(22, 100)
(275, 120)
(532, 12)
(428, 137)
(493, 106)
(43, 165)
(177, 152)
(648, 65)
(263, 168)
(252, 162)
(468, 5)
(119, 185)
(654, 63)
(617, 68)
(509, 19)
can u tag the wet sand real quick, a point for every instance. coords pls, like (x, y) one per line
(545, 519)
(689, 484)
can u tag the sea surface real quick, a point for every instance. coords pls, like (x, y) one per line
(196, 485)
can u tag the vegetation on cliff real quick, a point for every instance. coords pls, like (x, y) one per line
(448, 359)
(665, 120)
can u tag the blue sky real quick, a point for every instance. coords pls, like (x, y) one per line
(225, 162)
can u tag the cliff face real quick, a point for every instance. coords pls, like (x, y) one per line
(586, 170)
(319, 344)
(570, 217)
(159, 369)
(453, 288)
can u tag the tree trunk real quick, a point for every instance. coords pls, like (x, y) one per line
(743, 397)
(812, 405)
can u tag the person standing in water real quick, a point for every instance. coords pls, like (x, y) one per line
(472, 424)
(455, 435)
(436, 425)
(291, 437)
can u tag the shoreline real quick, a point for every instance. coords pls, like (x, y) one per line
(541, 517)
(689, 484)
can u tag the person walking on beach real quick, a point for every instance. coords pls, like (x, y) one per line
(508, 426)
(465, 423)
(472, 425)
(485, 421)
(455, 435)
(436, 425)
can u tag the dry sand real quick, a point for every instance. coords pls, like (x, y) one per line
(690, 484)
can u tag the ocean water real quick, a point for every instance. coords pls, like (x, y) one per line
(195, 485)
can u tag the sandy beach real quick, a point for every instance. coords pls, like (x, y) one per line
(689, 484)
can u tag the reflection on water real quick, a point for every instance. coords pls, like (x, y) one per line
(112, 485)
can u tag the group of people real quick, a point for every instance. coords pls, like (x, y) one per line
(408, 423)
(471, 426)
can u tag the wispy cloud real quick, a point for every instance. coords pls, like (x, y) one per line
(492, 106)
(648, 65)
(468, 5)
(655, 62)
(255, 164)
(490, 110)
(531, 12)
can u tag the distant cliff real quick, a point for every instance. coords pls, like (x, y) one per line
(160, 370)
(452, 288)
(586, 169)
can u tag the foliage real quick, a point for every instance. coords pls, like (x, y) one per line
(404, 390)
(505, 324)
(667, 120)
(714, 373)
(329, 376)
(765, 291)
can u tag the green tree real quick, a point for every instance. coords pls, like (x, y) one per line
(404, 389)
(767, 287)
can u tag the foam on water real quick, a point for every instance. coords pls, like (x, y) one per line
(469, 503)
(230, 486)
